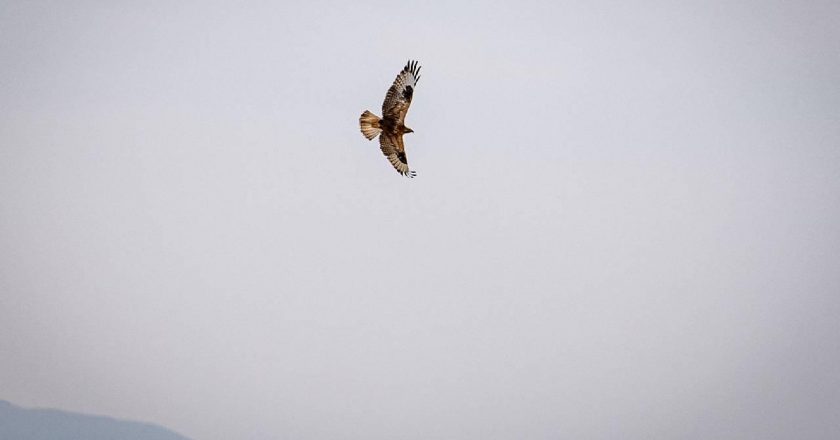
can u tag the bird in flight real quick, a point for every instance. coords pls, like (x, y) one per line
(391, 126)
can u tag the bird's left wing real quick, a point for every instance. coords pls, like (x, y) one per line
(393, 148)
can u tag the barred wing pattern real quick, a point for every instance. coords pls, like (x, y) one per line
(399, 94)
(394, 149)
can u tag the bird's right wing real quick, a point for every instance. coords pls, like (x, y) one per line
(399, 95)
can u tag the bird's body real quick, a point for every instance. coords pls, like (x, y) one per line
(391, 126)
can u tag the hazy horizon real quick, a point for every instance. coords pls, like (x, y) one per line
(624, 225)
(18, 423)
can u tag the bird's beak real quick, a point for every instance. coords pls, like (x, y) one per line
(408, 130)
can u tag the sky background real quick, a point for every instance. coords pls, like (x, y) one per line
(626, 222)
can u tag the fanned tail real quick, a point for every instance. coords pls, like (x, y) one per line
(369, 124)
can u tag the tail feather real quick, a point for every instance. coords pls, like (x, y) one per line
(369, 123)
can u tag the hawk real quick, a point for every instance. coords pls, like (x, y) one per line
(391, 126)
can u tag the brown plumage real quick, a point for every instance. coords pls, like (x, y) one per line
(391, 126)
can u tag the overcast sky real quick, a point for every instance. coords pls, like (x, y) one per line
(626, 222)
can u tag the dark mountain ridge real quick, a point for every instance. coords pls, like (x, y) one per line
(18, 423)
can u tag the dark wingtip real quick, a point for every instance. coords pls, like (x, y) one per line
(413, 67)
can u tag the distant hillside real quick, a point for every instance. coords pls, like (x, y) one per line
(18, 423)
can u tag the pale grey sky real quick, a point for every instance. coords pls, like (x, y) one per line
(625, 223)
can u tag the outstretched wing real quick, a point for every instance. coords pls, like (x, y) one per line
(393, 148)
(399, 95)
